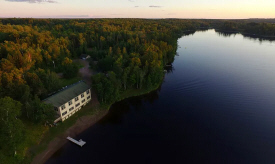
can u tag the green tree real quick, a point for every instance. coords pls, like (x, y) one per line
(125, 77)
(107, 87)
(40, 112)
(50, 80)
(70, 70)
(11, 127)
(106, 64)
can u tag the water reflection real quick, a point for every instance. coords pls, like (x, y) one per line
(116, 117)
(258, 38)
(151, 97)
(253, 37)
(169, 69)
(202, 30)
(225, 34)
(120, 109)
(189, 32)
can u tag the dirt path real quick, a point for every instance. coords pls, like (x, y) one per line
(81, 124)
(86, 72)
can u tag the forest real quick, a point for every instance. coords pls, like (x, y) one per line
(260, 27)
(129, 53)
(126, 54)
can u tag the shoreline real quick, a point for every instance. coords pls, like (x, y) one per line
(83, 123)
(79, 125)
(246, 34)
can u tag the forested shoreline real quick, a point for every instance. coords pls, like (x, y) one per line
(130, 53)
(260, 27)
(37, 60)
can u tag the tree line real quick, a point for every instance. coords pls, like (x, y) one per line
(249, 26)
(132, 53)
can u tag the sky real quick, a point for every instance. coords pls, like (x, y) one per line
(215, 9)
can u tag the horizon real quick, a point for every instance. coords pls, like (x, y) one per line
(135, 18)
(173, 9)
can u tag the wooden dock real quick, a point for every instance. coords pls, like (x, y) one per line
(80, 142)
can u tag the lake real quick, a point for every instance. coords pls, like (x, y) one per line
(216, 105)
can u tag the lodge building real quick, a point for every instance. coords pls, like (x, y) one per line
(69, 100)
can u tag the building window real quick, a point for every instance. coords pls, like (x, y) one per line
(64, 113)
(88, 97)
(76, 99)
(63, 107)
(70, 103)
(72, 108)
(82, 95)
(83, 101)
(77, 105)
(88, 91)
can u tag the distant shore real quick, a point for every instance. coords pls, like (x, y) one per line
(246, 34)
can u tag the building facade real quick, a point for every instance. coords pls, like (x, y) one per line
(69, 100)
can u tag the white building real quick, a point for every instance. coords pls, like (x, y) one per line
(85, 56)
(70, 100)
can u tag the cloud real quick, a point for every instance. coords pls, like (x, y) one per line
(75, 16)
(136, 6)
(65, 16)
(155, 6)
(99, 16)
(171, 13)
(132, 0)
(34, 1)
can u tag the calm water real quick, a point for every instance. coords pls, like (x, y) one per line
(216, 106)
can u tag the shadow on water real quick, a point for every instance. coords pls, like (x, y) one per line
(122, 108)
(169, 69)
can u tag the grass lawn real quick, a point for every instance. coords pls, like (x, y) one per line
(137, 92)
(66, 82)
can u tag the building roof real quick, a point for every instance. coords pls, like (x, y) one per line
(67, 94)
(84, 56)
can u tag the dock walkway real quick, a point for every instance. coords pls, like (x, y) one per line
(80, 142)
